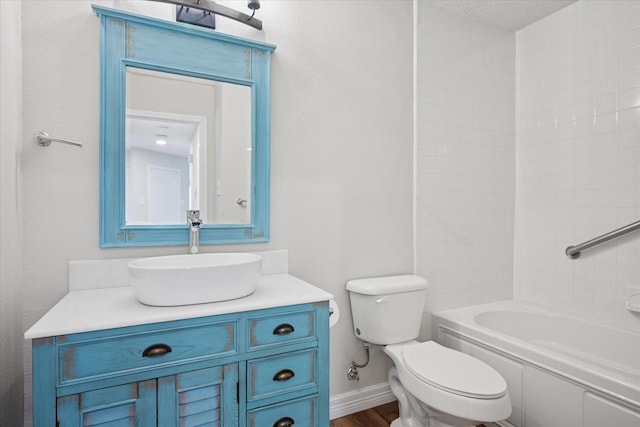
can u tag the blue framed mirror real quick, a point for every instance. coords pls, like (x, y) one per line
(184, 125)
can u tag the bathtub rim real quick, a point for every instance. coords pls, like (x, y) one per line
(459, 322)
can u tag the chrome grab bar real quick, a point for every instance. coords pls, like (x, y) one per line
(573, 252)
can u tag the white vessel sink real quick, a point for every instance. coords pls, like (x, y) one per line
(194, 279)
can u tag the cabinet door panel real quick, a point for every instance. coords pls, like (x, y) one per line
(206, 397)
(124, 405)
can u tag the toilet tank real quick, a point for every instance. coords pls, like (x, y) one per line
(387, 310)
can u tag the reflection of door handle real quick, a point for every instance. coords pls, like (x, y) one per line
(242, 202)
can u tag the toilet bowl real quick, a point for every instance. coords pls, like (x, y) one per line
(449, 388)
(435, 386)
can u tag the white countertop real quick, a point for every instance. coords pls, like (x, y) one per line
(106, 308)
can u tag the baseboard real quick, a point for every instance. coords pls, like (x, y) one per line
(359, 400)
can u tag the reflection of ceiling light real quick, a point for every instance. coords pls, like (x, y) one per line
(161, 139)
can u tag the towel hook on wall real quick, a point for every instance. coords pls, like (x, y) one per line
(44, 140)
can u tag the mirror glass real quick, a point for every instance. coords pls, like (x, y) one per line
(188, 145)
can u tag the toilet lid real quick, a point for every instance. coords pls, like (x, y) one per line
(453, 371)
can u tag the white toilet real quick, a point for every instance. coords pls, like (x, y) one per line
(434, 385)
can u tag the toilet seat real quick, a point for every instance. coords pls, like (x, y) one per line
(453, 371)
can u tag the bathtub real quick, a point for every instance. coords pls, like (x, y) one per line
(561, 371)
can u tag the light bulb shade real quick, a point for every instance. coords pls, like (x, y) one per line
(161, 139)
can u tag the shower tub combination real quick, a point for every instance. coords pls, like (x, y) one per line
(561, 371)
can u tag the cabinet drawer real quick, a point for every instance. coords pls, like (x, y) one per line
(129, 353)
(282, 328)
(299, 413)
(280, 374)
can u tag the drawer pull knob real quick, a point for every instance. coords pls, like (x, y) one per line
(284, 422)
(284, 375)
(156, 350)
(283, 329)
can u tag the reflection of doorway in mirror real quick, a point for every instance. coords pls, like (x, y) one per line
(142, 168)
(184, 149)
(164, 201)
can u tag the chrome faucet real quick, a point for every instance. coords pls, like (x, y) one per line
(194, 221)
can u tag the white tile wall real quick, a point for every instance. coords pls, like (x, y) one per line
(465, 159)
(578, 158)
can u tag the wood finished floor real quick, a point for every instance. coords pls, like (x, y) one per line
(380, 416)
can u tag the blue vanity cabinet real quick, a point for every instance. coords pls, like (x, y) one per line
(258, 368)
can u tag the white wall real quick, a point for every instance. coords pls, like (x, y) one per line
(465, 158)
(341, 150)
(11, 374)
(578, 145)
(342, 156)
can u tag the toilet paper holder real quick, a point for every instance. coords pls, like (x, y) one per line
(334, 313)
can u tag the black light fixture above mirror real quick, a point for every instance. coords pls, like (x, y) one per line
(203, 12)
(253, 5)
